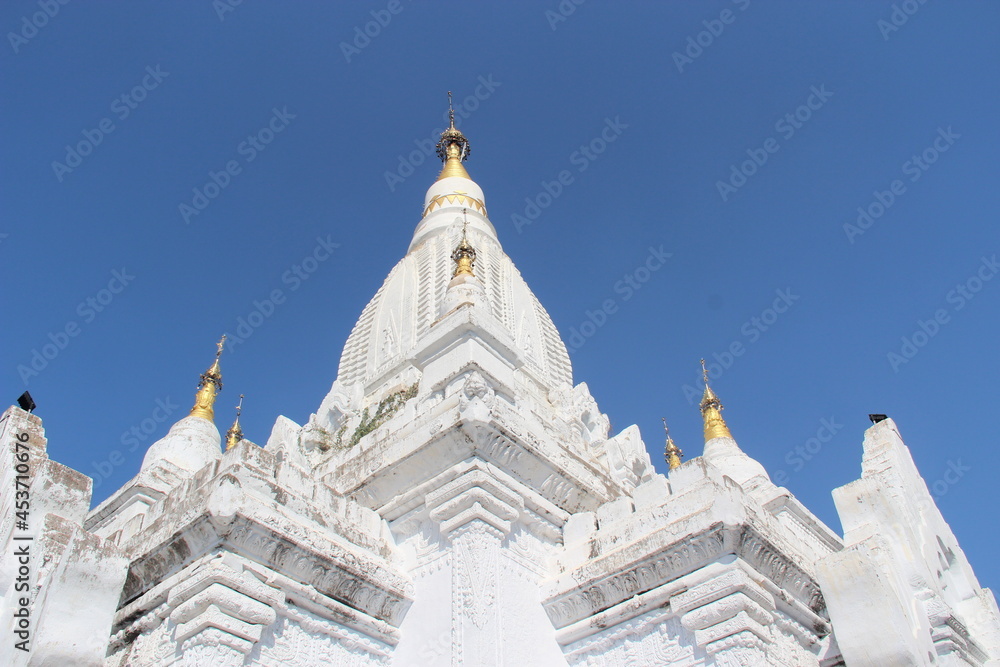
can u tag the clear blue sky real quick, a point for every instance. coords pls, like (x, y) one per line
(864, 99)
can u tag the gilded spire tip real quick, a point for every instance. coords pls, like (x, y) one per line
(209, 386)
(711, 411)
(464, 255)
(672, 453)
(235, 432)
(453, 148)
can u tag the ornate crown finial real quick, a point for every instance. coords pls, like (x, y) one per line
(235, 432)
(711, 411)
(672, 453)
(464, 255)
(209, 385)
(453, 148)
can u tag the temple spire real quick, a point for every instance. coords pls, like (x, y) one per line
(711, 412)
(235, 432)
(209, 387)
(464, 255)
(453, 148)
(672, 453)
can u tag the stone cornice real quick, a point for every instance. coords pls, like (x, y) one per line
(234, 605)
(588, 596)
(263, 533)
(476, 495)
(581, 595)
(559, 475)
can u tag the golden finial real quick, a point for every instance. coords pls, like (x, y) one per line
(453, 148)
(711, 412)
(235, 432)
(464, 255)
(209, 386)
(672, 453)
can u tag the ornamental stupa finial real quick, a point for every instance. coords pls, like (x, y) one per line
(235, 432)
(209, 387)
(464, 255)
(672, 453)
(453, 148)
(711, 411)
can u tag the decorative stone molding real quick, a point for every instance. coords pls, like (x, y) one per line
(741, 649)
(628, 459)
(474, 495)
(730, 582)
(266, 535)
(729, 615)
(214, 628)
(767, 559)
(651, 639)
(221, 606)
(214, 647)
(476, 387)
(714, 613)
(675, 560)
(298, 639)
(475, 560)
(229, 604)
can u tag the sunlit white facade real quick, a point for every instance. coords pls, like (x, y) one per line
(456, 500)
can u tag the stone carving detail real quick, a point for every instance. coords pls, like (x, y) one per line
(476, 624)
(214, 647)
(423, 549)
(769, 561)
(650, 639)
(730, 616)
(389, 347)
(628, 458)
(476, 495)
(342, 400)
(503, 451)
(558, 489)
(290, 644)
(476, 387)
(578, 410)
(215, 616)
(315, 439)
(526, 340)
(428, 268)
(533, 541)
(475, 512)
(653, 571)
(739, 650)
(154, 645)
(792, 644)
(476, 549)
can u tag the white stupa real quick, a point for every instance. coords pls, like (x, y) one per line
(456, 500)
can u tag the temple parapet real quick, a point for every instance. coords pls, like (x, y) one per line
(902, 591)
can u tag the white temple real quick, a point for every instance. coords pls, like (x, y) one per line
(456, 500)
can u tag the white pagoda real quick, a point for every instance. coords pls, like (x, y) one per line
(456, 500)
